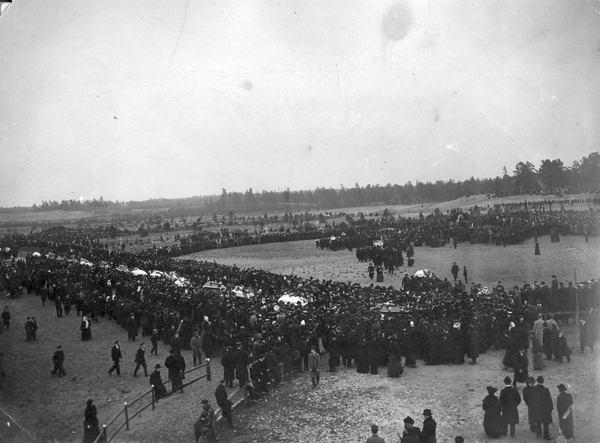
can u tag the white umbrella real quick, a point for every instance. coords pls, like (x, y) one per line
(181, 282)
(36, 254)
(157, 274)
(292, 299)
(422, 273)
(139, 272)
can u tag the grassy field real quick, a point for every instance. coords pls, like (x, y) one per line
(345, 404)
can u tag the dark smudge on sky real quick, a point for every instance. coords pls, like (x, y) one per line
(396, 22)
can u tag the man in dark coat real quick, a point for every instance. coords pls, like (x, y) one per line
(272, 365)
(564, 403)
(510, 399)
(172, 365)
(132, 328)
(154, 340)
(454, 271)
(528, 398)
(115, 354)
(473, 344)
(241, 365)
(411, 433)
(224, 403)
(58, 359)
(156, 380)
(140, 360)
(228, 362)
(521, 365)
(543, 407)
(429, 427)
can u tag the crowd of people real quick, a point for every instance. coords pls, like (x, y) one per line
(189, 304)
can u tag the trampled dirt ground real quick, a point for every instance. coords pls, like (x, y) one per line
(343, 406)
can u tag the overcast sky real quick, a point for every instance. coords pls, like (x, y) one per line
(132, 100)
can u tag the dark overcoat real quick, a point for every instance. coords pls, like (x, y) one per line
(510, 400)
(543, 404)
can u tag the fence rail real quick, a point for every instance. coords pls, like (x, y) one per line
(103, 437)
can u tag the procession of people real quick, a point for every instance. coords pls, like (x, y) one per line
(436, 321)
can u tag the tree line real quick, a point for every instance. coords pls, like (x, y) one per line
(551, 176)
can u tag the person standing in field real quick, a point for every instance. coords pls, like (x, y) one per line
(492, 417)
(454, 271)
(465, 274)
(510, 399)
(374, 438)
(224, 403)
(115, 354)
(196, 345)
(154, 340)
(528, 393)
(521, 366)
(314, 366)
(58, 359)
(564, 404)
(543, 407)
(585, 336)
(156, 381)
(140, 360)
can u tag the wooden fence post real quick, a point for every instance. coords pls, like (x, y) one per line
(153, 398)
(104, 437)
(126, 416)
(208, 369)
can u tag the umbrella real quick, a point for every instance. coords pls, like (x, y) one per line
(422, 273)
(139, 272)
(36, 254)
(181, 282)
(157, 274)
(292, 299)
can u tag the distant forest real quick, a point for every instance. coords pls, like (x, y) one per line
(552, 176)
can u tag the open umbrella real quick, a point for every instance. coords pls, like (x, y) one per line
(292, 299)
(157, 274)
(36, 254)
(423, 273)
(139, 272)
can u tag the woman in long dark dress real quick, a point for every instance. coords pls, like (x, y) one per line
(379, 274)
(395, 359)
(86, 329)
(492, 417)
(91, 430)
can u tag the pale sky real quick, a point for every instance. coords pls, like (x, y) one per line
(132, 100)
